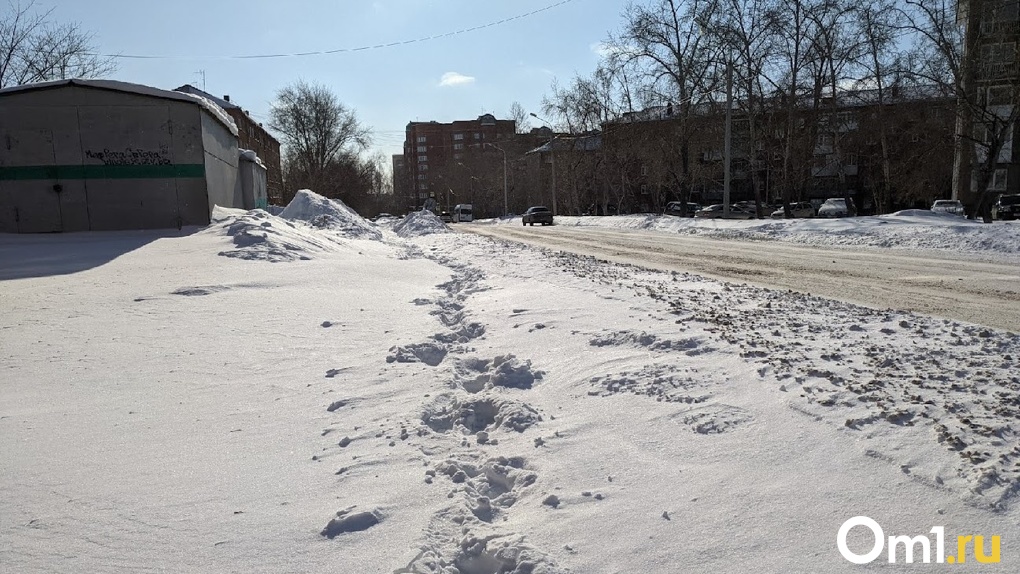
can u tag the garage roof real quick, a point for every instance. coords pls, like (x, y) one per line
(116, 86)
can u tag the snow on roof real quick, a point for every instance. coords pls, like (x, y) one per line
(587, 142)
(189, 89)
(118, 86)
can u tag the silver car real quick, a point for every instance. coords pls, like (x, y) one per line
(799, 209)
(951, 206)
(834, 207)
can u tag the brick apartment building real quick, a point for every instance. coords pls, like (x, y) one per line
(891, 154)
(437, 159)
(251, 135)
(992, 35)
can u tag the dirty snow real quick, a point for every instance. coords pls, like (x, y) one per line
(426, 403)
(908, 229)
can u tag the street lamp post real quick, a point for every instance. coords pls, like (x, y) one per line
(728, 142)
(552, 158)
(505, 209)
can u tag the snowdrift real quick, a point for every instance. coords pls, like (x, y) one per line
(259, 236)
(332, 214)
(418, 223)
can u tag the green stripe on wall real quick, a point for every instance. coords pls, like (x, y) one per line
(29, 172)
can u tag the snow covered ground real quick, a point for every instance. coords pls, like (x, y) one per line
(322, 394)
(909, 229)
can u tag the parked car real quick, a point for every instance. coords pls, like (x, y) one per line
(799, 209)
(677, 208)
(717, 212)
(835, 207)
(445, 217)
(537, 214)
(951, 206)
(1007, 207)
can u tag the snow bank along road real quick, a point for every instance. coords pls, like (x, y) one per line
(947, 285)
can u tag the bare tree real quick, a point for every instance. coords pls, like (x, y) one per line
(663, 44)
(34, 49)
(318, 131)
(520, 117)
(974, 58)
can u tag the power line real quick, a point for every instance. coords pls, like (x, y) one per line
(341, 50)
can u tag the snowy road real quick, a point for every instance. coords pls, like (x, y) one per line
(946, 285)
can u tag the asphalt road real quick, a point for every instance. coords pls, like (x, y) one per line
(945, 285)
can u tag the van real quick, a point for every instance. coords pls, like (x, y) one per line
(462, 212)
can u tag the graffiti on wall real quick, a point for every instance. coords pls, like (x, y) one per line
(131, 156)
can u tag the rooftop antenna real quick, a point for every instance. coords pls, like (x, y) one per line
(202, 74)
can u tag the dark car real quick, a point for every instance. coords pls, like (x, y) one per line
(718, 211)
(537, 214)
(445, 217)
(678, 208)
(1007, 207)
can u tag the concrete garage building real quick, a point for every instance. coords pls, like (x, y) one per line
(81, 155)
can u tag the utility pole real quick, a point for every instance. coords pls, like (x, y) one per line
(552, 158)
(728, 142)
(505, 210)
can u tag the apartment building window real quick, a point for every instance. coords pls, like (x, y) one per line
(421, 139)
(996, 95)
(423, 158)
(421, 177)
(998, 60)
(458, 137)
(458, 156)
(998, 180)
(847, 120)
(423, 186)
(458, 146)
(422, 149)
(478, 136)
(825, 140)
(999, 16)
(644, 170)
(423, 167)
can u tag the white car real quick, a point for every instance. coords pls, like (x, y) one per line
(834, 207)
(952, 206)
(798, 209)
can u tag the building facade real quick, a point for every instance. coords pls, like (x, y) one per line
(251, 135)
(437, 157)
(986, 158)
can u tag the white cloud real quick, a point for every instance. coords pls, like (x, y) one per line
(456, 79)
(603, 50)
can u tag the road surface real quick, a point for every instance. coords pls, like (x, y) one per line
(945, 285)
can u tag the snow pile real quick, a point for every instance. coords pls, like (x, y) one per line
(259, 236)
(418, 223)
(331, 214)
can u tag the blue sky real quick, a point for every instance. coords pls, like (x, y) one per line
(486, 70)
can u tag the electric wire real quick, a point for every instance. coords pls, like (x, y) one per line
(342, 50)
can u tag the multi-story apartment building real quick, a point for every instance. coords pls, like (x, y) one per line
(251, 135)
(893, 151)
(437, 157)
(988, 112)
